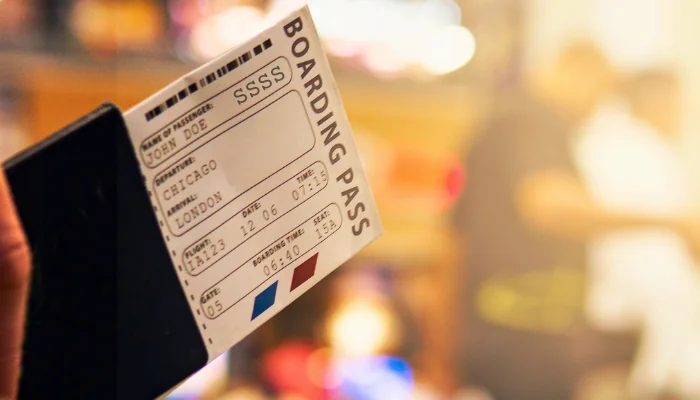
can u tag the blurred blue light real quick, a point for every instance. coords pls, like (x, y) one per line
(374, 378)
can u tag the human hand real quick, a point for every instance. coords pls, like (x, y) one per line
(15, 268)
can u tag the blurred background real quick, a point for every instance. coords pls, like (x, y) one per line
(456, 105)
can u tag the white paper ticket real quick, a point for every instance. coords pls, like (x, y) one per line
(254, 176)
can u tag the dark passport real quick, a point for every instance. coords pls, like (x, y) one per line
(107, 316)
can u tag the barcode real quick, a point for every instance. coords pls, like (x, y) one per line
(208, 79)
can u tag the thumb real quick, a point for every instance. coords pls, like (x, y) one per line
(14, 285)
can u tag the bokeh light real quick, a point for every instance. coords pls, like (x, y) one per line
(360, 328)
(394, 39)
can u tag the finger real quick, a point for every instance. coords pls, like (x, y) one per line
(14, 284)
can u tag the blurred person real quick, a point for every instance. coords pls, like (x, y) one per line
(644, 279)
(525, 216)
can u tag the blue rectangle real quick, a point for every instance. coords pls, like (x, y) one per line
(264, 300)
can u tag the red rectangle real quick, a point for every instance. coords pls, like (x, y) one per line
(304, 272)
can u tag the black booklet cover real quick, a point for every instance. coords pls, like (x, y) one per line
(106, 316)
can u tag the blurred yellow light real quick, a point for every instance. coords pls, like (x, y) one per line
(224, 30)
(342, 48)
(238, 24)
(448, 49)
(443, 12)
(204, 42)
(382, 60)
(360, 328)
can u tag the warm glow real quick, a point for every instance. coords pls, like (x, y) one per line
(448, 49)
(216, 34)
(382, 61)
(394, 38)
(360, 328)
(316, 367)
